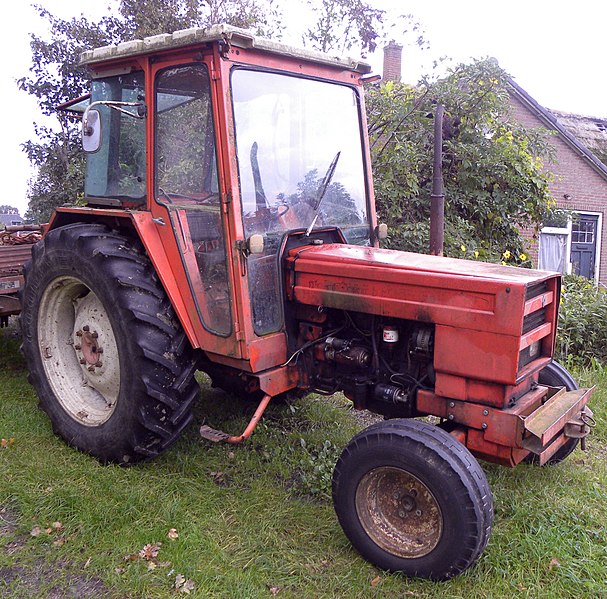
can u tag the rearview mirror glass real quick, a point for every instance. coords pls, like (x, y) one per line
(91, 130)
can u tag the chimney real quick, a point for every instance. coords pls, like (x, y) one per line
(392, 61)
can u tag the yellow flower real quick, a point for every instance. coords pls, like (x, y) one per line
(462, 247)
(523, 257)
(503, 263)
(476, 253)
(506, 255)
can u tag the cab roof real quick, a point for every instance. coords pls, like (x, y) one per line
(234, 36)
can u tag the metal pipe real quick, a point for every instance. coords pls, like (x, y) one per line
(437, 196)
(234, 440)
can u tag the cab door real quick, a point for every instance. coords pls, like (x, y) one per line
(187, 184)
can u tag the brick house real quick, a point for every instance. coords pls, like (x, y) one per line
(578, 245)
(580, 185)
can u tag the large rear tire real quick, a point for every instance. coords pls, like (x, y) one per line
(107, 356)
(411, 498)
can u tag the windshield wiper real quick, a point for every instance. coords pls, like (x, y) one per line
(261, 202)
(322, 190)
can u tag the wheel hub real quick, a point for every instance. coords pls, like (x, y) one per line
(88, 348)
(399, 512)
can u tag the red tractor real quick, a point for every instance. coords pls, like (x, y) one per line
(229, 227)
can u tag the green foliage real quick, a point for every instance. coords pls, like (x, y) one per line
(344, 24)
(317, 468)
(492, 166)
(582, 334)
(7, 209)
(165, 16)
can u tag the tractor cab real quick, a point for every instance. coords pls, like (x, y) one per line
(230, 142)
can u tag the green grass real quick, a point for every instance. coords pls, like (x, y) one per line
(256, 520)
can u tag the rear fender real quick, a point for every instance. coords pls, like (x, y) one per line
(139, 225)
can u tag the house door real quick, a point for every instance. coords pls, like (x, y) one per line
(583, 244)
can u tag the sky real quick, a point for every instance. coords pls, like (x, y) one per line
(554, 50)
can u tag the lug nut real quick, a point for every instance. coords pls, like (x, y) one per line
(100, 350)
(77, 346)
(82, 361)
(91, 369)
(98, 364)
(94, 334)
(78, 333)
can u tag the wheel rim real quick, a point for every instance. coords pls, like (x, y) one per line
(78, 351)
(399, 512)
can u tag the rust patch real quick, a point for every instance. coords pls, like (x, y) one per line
(399, 512)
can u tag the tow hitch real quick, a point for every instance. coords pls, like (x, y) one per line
(563, 416)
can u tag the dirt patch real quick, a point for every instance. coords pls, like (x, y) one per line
(366, 418)
(40, 577)
(49, 580)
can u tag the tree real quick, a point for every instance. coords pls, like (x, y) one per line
(6, 209)
(494, 182)
(344, 26)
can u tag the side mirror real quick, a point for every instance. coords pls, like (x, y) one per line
(381, 231)
(91, 130)
(255, 244)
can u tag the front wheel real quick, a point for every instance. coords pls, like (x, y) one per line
(411, 498)
(109, 360)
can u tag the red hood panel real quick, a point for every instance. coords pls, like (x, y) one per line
(460, 293)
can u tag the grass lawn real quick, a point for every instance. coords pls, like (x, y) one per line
(256, 520)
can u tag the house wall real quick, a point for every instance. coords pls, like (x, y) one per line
(576, 186)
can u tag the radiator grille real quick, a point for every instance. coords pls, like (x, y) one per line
(532, 321)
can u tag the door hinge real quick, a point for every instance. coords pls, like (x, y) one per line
(237, 332)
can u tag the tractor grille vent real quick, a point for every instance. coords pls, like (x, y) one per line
(533, 321)
(525, 358)
(535, 290)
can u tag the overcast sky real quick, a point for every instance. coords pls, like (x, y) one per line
(555, 51)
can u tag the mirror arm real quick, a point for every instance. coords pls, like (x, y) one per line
(112, 104)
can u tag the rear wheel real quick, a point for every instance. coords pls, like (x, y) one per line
(106, 354)
(413, 499)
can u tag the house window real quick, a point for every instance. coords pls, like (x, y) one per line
(553, 249)
(583, 231)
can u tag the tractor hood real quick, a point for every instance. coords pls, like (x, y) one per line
(445, 291)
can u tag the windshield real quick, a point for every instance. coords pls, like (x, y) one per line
(300, 163)
(288, 132)
(118, 168)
